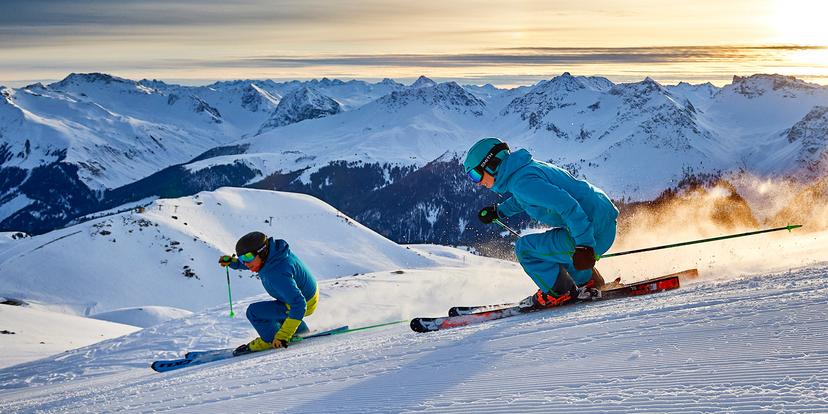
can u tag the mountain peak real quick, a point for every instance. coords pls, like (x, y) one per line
(6, 93)
(326, 82)
(760, 84)
(423, 82)
(646, 87)
(254, 98)
(565, 83)
(447, 95)
(811, 133)
(154, 84)
(37, 86)
(90, 78)
(300, 104)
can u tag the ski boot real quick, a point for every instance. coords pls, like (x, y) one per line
(598, 280)
(587, 292)
(565, 290)
(562, 292)
(255, 345)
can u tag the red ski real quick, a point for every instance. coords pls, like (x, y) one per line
(646, 287)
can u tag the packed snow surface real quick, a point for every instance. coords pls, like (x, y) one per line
(728, 342)
(143, 316)
(32, 332)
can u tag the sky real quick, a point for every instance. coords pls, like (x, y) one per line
(505, 43)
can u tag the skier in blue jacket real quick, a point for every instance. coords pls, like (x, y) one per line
(285, 278)
(561, 260)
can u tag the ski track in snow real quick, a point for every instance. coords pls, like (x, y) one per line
(755, 344)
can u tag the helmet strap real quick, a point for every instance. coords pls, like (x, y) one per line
(490, 162)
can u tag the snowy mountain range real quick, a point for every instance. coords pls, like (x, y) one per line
(384, 153)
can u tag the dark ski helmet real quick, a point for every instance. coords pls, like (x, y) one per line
(485, 156)
(254, 242)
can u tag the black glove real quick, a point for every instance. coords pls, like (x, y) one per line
(488, 214)
(583, 258)
(226, 260)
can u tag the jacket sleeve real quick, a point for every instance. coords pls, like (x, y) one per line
(509, 208)
(297, 306)
(538, 191)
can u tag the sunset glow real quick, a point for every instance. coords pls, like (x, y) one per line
(521, 42)
(800, 22)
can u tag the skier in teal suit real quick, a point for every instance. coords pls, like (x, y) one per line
(561, 260)
(286, 279)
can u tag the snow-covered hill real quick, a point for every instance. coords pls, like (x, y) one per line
(167, 254)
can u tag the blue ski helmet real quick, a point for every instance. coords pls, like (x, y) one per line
(480, 153)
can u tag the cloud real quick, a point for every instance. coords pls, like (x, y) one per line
(48, 22)
(532, 56)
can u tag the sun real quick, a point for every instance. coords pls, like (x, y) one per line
(800, 22)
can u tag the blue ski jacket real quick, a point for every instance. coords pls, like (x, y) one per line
(552, 196)
(288, 280)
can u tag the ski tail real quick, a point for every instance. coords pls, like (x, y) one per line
(467, 310)
(329, 332)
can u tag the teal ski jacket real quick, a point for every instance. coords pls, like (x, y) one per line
(286, 278)
(552, 196)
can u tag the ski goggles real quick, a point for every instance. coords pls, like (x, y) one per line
(476, 175)
(250, 256)
(247, 257)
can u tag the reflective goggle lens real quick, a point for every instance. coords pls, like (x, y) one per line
(247, 257)
(475, 175)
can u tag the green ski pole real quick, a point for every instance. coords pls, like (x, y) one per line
(789, 227)
(299, 338)
(730, 236)
(229, 294)
(500, 223)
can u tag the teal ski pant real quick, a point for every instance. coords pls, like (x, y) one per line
(542, 255)
(267, 318)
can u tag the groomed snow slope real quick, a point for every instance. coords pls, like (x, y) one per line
(729, 343)
(39, 332)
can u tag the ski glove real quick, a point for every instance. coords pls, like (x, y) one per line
(583, 258)
(488, 214)
(225, 261)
